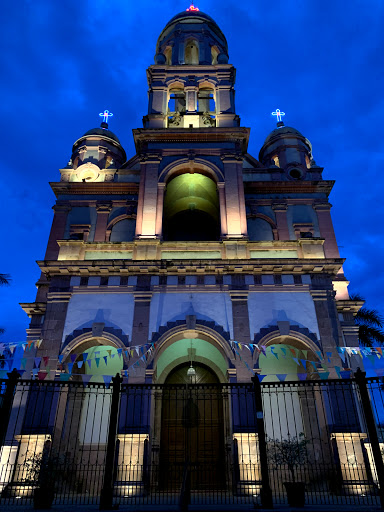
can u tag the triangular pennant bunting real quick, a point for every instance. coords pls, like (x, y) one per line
(107, 380)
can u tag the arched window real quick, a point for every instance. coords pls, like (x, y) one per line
(191, 54)
(214, 53)
(123, 231)
(259, 230)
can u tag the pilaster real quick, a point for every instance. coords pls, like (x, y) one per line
(57, 230)
(53, 328)
(327, 317)
(234, 197)
(280, 210)
(323, 211)
(103, 211)
(146, 221)
(241, 330)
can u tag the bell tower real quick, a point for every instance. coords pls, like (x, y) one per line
(192, 146)
(191, 83)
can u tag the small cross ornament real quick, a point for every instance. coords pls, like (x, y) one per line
(105, 115)
(278, 115)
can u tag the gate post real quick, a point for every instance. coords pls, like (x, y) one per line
(361, 381)
(6, 405)
(266, 492)
(106, 495)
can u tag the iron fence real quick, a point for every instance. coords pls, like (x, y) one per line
(199, 444)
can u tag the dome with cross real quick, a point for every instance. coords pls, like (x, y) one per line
(99, 147)
(287, 148)
(191, 37)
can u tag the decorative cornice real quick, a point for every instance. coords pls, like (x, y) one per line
(350, 306)
(288, 187)
(107, 188)
(157, 267)
(199, 135)
(34, 308)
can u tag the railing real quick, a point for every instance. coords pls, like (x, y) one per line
(204, 444)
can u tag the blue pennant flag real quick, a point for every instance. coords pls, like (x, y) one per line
(107, 380)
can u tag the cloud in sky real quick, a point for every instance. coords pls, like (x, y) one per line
(64, 62)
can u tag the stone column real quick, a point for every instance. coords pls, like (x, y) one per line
(159, 210)
(281, 221)
(234, 197)
(57, 230)
(103, 211)
(327, 232)
(147, 202)
(223, 210)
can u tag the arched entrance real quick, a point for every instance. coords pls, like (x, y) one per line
(192, 430)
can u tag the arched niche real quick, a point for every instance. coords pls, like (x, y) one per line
(177, 352)
(259, 229)
(191, 52)
(123, 231)
(287, 408)
(214, 54)
(168, 55)
(191, 209)
(96, 357)
(279, 359)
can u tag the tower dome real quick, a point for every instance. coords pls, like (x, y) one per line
(191, 37)
(95, 154)
(287, 148)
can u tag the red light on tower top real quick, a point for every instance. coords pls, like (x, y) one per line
(192, 7)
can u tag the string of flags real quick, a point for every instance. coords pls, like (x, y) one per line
(369, 352)
(141, 354)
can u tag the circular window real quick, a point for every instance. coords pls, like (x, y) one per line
(295, 174)
(87, 172)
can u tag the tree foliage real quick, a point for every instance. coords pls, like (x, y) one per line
(370, 323)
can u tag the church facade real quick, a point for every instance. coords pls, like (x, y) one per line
(191, 262)
(192, 238)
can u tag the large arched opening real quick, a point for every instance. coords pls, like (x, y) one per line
(191, 209)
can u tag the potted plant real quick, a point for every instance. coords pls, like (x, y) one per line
(40, 470)
(290, 453)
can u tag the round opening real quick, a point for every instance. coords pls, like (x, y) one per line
(295, 174)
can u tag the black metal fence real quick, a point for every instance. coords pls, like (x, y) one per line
(210, 444)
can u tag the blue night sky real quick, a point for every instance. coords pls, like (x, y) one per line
(64, 62)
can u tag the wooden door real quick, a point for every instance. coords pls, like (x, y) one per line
(192, 430)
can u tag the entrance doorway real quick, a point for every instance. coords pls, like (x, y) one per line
(192, 430)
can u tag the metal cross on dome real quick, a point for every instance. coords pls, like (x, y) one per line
(192, 7)
(278, 114)
(106, 114)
